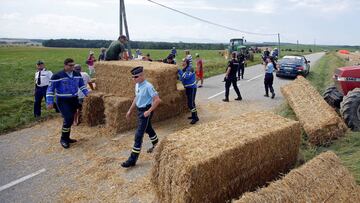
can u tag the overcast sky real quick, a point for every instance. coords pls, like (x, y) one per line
(326, 21)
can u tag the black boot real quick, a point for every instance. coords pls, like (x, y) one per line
(272, 95)
(195, 118)
(226, 100)
(131, 160)
(64, 140)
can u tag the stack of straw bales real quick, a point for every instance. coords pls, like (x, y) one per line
(116, 90)
(323, 179)
(217, 161)
(320, 122)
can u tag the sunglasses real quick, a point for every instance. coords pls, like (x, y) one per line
(71, 65)
(136, 76)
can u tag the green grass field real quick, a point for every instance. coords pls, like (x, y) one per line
(17, 66)
(348, 147)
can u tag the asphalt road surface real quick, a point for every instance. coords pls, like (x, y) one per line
(34, 168)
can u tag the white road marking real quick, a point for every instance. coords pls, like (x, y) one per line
(15, 182)
(222, 92)
(254, 78)
(217, 94)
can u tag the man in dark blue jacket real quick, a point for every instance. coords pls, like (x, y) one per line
(65, 85)
(188, 78)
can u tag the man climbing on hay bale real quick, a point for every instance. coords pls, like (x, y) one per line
(188, 78)
(116, 49)
(146, 100)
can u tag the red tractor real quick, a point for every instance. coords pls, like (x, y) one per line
(344, 95)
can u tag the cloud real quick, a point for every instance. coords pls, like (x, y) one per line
(82, 4)
(10, 16)
(324, 5)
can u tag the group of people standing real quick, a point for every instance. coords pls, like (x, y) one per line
(69, 86)
(236, 65)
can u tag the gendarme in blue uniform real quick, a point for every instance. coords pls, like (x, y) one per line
(188, 79)
(65, 87)
(144, 93)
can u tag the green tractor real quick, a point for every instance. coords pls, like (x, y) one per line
(239, 46)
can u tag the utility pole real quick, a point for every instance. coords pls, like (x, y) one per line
(297, 45)
(279, 50)
(123, 20)
(314, 45)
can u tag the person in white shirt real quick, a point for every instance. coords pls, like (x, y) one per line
(42, 79)
(81, 96)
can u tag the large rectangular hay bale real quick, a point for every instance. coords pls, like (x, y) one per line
(217, 161)
(116, 108)
(320, 122)
(114, 77)
(115, 113)
(322, 179)
(93, 109)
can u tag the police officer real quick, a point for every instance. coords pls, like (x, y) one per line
(146, 100)
(65, 85)
(188, 79)
(230, 78)
(241, 59)
(42, 79)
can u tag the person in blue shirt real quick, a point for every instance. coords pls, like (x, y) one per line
(269, 77)
(146, 101)
(65, 85)
(188, 78)
(173, 52)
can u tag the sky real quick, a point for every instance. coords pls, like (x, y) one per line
(330, 22)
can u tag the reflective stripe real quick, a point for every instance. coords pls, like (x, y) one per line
(135, 148)
(154, 138)
(137, 152)
(66, 95)
(77, 77)
(193, 110)
(83, 87)
(65, 130)
(190, 84)
(58, 80)
(50, 95)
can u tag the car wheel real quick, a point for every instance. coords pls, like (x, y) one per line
(333, 97)
(350, 109)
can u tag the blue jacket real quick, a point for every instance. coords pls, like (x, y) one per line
(63, 86)
(187, 77)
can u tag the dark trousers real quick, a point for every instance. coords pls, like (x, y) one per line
(241, 70)
(190, 95)
(40, 93)
(228, 83)
(144, 126)
(67, 108)
(268, 82)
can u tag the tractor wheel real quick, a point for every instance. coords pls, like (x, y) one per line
(350, 109)
(333, 97)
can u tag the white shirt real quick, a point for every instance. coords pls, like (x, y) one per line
(86, 79)
(44, 78)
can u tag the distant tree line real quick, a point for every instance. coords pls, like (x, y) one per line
(81, 43)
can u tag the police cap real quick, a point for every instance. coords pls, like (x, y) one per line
(137, 70)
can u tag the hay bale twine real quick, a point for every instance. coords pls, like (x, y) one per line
(322, 179)
(218, 161)
(320, 122)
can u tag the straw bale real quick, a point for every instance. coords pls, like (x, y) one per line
(114, 77)
(172, 105)
(217, 161)
(320, 122)
(323, 179)
(93, 109)
(115, 113)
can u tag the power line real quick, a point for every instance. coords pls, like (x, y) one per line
(212, 23)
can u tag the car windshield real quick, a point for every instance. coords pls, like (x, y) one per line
(291, 60)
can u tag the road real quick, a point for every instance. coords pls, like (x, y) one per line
(34, 168)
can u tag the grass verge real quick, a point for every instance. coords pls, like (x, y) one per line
(348, 147)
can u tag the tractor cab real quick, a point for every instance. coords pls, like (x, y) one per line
(347, 78)
(238, 46)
